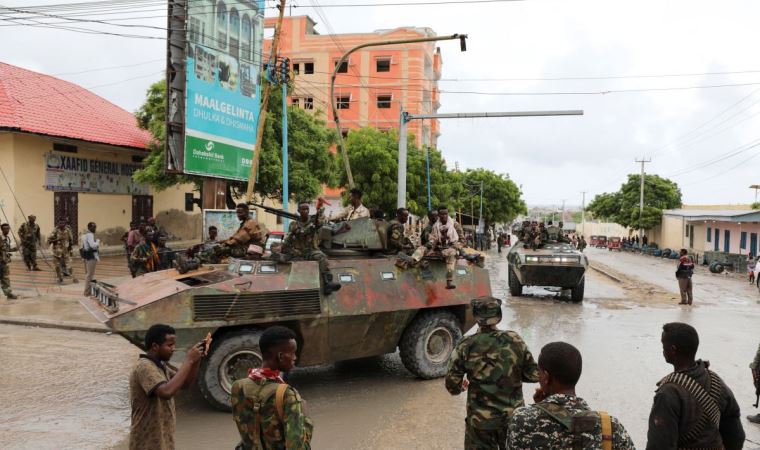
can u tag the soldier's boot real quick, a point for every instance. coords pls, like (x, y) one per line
(754, 419)
(36, 269)
(10, 296)
(450, 280)
(330, 286)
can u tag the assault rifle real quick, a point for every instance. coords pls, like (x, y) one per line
(277, 212)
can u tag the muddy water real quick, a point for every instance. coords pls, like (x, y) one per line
(62, 389)
(375, 403)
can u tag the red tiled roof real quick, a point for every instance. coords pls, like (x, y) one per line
(36, 103)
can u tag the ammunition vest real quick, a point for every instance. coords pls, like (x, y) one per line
(580, 423)
(707, 399)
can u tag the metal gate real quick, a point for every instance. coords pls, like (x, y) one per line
(66, 207)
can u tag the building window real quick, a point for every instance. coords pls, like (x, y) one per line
(726, 241)
(384, 101)
(383, 64)
(343, 67)
(308, 68)
(296, 68)
(295, 102)
(709, 234)
(687, 231)
(308, 103)
(343, 101)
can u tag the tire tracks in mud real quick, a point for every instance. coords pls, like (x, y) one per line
(636, 288)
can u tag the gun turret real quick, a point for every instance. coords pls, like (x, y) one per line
(275, 211)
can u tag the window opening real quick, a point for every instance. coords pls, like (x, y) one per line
(344, 101)
(383, 65)
(384, 101)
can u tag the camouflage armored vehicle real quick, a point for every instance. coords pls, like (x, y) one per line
(555, 264)
(378, 309)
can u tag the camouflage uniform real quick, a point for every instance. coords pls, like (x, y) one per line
(449, 249)
(29, 234)
(548, 425)
(145, 258)
(755, 367)
(5, 268)
(60, 239)
(496, 364)
(425, 234)
(302, 242)
(255, 414)
(397, 242)
(251, 232)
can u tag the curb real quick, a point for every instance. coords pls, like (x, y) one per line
(43, 323)
(606, 274)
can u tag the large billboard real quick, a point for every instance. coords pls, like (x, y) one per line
(221, 103)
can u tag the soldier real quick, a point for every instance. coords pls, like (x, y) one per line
(302, 242)
(496, 364)
(524, 232)
(269, 413)
(560, 419)
(251, 232)
(582, 244)
(60, 240)
(5, 261)
(29, 234)
(755, 368)
(693, 408)
(444, 236)
(552, 232)
(397, 242)
(145, 256)
(355, 209)
(432, 216)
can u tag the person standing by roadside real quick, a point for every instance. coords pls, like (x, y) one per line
(582, 244)
(153, 385)
(495, 364)
(755, 368)
(560, 419)
(90, 247)
(270, 414)
(134, 239)
(60, 240)
(683, 275)
(29, 234)
(5, 261)
(145, 257)
(125, 237)
(693, 408)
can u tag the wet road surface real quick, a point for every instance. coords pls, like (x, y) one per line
(376, 404)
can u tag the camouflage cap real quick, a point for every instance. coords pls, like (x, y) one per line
(487, 310)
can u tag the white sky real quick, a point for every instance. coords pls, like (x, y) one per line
(552, 158)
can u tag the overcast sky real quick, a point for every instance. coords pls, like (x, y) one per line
(554, 159)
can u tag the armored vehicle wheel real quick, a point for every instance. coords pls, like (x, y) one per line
(515, 288)
(229, 360)
(427, 343)
(576, 294)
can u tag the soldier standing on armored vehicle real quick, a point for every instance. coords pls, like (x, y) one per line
(496, 364)
(60, 239)
(302, 242)
(355, 208)
(29, 234)
(444, 236)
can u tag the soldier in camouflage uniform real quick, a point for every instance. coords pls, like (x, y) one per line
(496, 364)
(5, 261)
(755, 368)
(251, 232)
(60, 240)
(302, 243)
(425, 235)
(397, 242)
(269, 414)
(29, 234)
(560, 420)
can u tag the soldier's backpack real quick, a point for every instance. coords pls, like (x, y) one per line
(257, 396)
(580, 423)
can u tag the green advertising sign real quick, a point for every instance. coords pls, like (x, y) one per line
(207, 157)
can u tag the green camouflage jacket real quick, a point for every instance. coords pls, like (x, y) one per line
(292, 433)
(29, 234)
(302, 238)
(532, 428)
(396, 239)
(425, 234)
(755, 365)
(5, 249)
(496, 364)
(60, 240)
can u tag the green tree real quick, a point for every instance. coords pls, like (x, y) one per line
(622, 207)
(310, 162)
(502, 199)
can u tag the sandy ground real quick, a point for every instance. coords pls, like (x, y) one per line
(67, 389)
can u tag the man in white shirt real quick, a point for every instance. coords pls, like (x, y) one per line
(355, 209)
(90, 247)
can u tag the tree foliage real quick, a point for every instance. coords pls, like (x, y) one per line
(310, 162)
(502, 199)
(622, 207)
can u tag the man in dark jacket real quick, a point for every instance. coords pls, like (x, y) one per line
(693, 408)
(683, 274)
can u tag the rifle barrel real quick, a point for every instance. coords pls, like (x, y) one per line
(275, 211)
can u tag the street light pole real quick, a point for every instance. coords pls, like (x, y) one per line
(641, 195)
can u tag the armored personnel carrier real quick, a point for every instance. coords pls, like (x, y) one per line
(555, 264)
(379, 308)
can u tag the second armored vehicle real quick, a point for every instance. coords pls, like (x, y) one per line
(555, 264)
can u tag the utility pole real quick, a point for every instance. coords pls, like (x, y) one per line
(583, 212)
(285, 182)
(641, 195)
(562, 217)
(406, 118)
(755, 187)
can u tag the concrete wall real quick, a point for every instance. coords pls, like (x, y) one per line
(22, 160)
(601, 229)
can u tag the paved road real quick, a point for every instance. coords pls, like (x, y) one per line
(375, 403)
